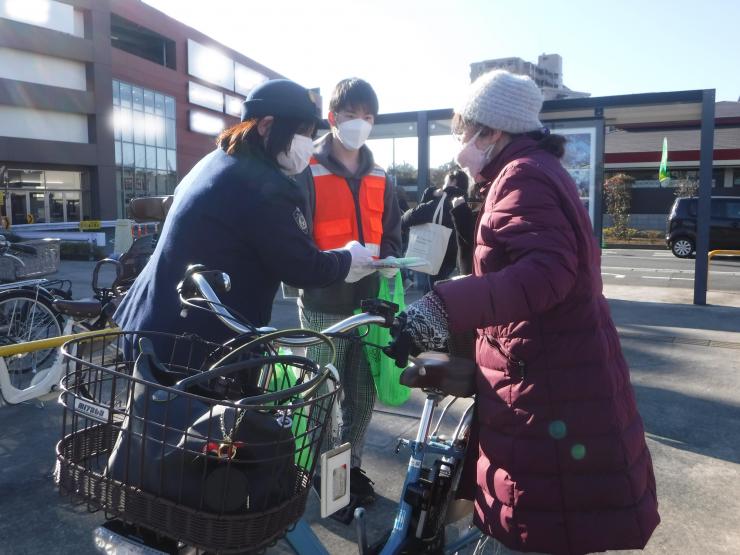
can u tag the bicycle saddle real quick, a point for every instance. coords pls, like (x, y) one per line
(441, 372)
(78, 309)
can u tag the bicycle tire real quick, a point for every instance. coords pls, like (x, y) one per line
(26, 316)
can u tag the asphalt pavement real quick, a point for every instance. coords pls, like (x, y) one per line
(685, 371)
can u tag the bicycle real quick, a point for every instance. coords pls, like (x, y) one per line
(428, 491)
(97, 313)
(26, 309)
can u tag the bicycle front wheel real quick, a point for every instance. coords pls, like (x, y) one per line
(24, 316)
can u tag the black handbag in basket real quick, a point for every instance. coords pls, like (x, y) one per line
(204, 453)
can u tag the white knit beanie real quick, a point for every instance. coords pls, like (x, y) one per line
(504, 101)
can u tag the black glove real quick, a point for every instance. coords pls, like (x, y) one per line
(422, 327)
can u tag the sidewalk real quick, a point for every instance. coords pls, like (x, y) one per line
(685, 363)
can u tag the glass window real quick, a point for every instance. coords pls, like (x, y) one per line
(210, 65)
(732, 209)
(159, 104)
(126, 119)
(162, 183)
(56, 207)
(38, 207)
(160, 132)
(171, 133)
(128, 154)
(161, 159)
(127, 186)
(139, 127)
(116, 94)
(62, 180)
(245, 78)
(150, 183)
(171, 183)
(138, 98)
(169, 107)
(151, 158)
(119, 155)
(717, 209)
(150, 129)
(72, 201)
(139, 183)
(140, 156)
(172, 160)
(125, 95)
(116, 123)
(149, 101)
(736, 178)
(119, 194)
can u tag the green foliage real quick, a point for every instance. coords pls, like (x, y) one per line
(80, 250)
(630, 234)
(405, 174)
(437, 175)
(618, 196)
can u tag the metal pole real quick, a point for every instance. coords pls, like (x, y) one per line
(422, 132)
(705, 195)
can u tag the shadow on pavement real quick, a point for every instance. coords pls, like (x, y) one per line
(645, 313)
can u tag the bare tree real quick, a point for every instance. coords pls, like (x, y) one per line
(686, 187)
(618, 194)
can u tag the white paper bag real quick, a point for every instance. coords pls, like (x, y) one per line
(429, 242)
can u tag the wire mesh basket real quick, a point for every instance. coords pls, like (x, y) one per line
(43, 263)
(219, 457)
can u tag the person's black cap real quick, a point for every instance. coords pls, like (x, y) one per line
(279, 97)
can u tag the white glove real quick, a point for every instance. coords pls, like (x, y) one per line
(388, 272)
(457, 201)
(361, 262)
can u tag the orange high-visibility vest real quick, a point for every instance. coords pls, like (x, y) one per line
(335, 213)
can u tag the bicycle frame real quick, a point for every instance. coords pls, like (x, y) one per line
(303, 540)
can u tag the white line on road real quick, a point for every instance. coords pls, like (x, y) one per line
(618, 276)
(669, 270)
(655, 277)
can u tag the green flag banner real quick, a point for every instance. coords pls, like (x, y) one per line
(663, 171)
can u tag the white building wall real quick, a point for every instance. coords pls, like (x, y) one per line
(43, 13)
(27, 123)
(44, 70)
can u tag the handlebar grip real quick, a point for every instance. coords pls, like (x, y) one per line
(20, 247)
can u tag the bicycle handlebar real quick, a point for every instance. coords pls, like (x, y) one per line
(202, 282)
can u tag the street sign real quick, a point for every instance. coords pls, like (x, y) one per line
(89, 225)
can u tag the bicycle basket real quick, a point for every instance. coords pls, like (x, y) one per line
(158, 445)
(43, 263)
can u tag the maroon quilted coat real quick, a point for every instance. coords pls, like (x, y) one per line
(562, 463)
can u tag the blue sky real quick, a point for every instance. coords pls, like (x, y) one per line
(416, 53)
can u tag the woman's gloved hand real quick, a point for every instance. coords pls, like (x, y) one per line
(388, 272)
(422, 327)
(361, 260)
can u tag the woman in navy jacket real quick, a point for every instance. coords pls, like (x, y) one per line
(240, 211)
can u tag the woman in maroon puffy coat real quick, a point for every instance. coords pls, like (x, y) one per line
(562, 465)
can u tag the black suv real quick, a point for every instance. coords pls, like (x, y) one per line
(724, 226)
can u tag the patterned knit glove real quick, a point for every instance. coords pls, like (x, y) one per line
(422, 327)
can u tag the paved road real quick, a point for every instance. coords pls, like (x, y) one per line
(659, 268)
(686, 375)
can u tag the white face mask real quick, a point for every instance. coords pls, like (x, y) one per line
(472, 159)
(353, 133)
(299, 154)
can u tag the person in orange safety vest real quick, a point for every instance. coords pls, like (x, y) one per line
(350, 198)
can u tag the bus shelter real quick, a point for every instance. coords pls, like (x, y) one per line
(420, 143)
